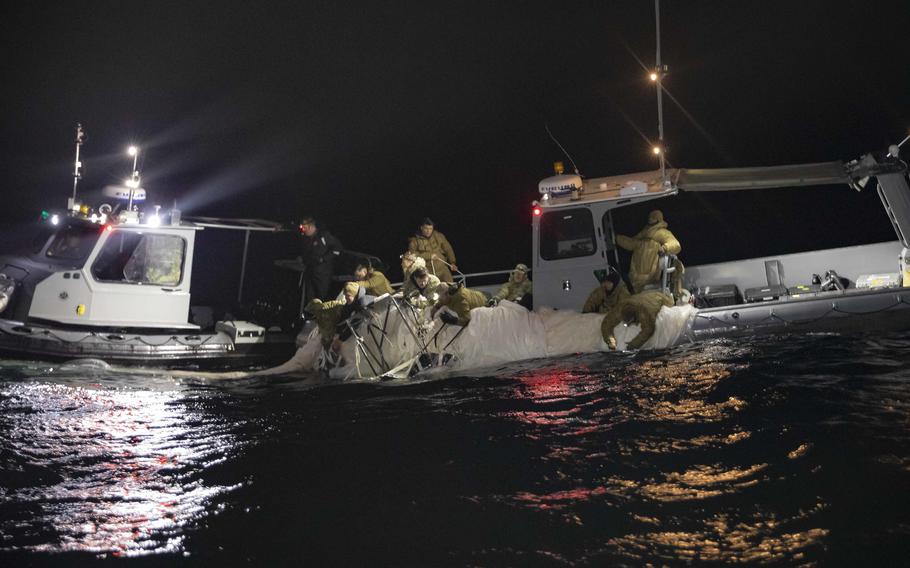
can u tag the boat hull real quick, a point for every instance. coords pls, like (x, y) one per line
(854, 311)
(170, 350)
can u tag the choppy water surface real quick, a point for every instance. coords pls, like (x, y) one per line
(781, 451)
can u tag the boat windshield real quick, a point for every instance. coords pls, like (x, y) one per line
(567, 234)
(131, 257)
(73, 242)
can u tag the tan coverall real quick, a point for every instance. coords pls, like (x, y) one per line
(376, 284)
(462, 302)
(645, 247)
(512, 290)
(327, 315)
(601, 303)
(641, 309)
(438, 244)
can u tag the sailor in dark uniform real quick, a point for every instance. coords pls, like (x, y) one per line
(318, 253)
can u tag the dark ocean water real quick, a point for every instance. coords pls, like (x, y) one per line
(779, 451)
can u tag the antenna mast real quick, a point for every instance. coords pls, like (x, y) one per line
(658, 76)
(77, 171)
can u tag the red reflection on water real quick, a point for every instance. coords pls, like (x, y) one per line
(555, 390)
(560, 499)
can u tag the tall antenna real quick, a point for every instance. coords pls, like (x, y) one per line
(77, 171)
(657, 76)
(133, 182)
(553, 138)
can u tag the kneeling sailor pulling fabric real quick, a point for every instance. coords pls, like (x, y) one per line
(460, 300)
(374, 282)
(641, 309)
(331, 316)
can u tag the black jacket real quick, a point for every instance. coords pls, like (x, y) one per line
(320, 250)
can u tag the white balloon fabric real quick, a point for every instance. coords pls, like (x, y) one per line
(396, 336)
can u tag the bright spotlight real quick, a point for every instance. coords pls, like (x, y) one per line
(656, 150)
(132, 150)
(653, 76)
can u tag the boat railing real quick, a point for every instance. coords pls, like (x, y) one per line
(479, 279)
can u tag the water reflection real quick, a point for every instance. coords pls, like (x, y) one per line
(760, 539)
(104, 470)
(651, 425)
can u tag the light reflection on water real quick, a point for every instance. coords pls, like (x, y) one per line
(787, 452)
(588, 426)
(105, 470)
(759, 540)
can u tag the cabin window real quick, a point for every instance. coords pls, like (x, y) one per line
(140, 258)
(73, 242)
(567, 234)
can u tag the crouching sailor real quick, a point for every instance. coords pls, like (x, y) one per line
(420, 289)
(517, 289)
(332, 316)
(459, 300)
(641, 309)
(608, 295)
(374, 282)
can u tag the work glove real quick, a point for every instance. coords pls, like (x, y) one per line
(449, 318)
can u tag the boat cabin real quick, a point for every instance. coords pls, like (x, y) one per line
(112, 273)
(117, 275)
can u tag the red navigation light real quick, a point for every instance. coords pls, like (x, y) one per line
(536, 211)
(300, 227)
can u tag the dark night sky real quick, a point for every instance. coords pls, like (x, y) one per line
(372, 115)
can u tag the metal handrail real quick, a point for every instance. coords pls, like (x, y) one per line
(471, 274)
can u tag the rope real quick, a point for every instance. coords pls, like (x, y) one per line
(105, 339)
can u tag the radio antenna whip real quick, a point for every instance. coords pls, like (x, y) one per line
(553, 138)
(77, 171)
(894, 149)
(658, 75)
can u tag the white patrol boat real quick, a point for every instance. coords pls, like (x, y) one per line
(863, 288)
(113, 283)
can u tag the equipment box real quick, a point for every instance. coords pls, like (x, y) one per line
(242, 331)
(717, 296)
(873, 281)
(803, 291)
(765, 293)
